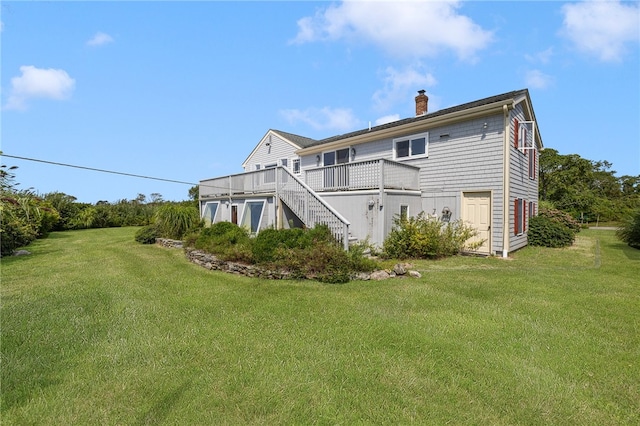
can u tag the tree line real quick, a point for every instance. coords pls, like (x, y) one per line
(27, 215)
(588, 190)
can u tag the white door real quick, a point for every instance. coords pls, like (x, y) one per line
(476, 211)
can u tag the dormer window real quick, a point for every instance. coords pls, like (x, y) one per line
(411, 147)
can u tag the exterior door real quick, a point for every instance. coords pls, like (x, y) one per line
(234, 214)
(476, 211)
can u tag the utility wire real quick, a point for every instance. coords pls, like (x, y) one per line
(93, 169)
(96, 170)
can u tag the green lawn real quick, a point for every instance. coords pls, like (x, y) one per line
(97, 329)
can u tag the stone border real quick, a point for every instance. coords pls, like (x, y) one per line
(211, 262)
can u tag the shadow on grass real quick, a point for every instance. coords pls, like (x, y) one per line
(161, 409)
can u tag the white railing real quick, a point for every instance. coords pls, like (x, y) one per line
(302, 200)
(309, 207)
(256, 182)
(364, 175)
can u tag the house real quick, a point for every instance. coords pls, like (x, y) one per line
(477, 162)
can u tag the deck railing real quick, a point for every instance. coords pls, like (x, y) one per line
(310, 208)
(360, 175)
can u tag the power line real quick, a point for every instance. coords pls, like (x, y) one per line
(93, 169)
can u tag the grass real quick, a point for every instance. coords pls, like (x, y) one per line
(97, 329)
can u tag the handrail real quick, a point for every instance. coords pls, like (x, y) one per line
(297, 198)
(363, 175)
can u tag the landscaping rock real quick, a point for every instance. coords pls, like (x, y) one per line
(21, 253)
(380, 275)
(415, 274)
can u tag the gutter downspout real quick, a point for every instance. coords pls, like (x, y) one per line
(505, 183)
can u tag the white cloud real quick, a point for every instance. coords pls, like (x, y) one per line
(543, 56)
(39, 83)
(335, 119)
(415, 29)
(400, 84)
(100, 39)
(387, 119)
(536, 79)
(602, 29)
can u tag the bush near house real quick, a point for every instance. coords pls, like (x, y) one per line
(424, 237)
(552, 228)
(304, 253)
(630, 230)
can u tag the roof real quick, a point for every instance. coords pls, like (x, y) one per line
(486, 101)
(301, 141)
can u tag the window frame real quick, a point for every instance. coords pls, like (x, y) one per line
(296, 162)
(244, 213)
(404, 207)
(410, 139)
(520, 216)
(334, 153)
(204, 209)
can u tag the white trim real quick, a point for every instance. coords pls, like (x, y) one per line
(410, 139)
(244, 212)
(204, 209)
(299, 160)
(335, 152)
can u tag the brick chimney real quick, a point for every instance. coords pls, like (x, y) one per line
(421, 103)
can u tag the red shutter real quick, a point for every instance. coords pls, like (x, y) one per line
(516, 132)
(516, 217)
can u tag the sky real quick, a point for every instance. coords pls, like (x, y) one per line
(183, 91)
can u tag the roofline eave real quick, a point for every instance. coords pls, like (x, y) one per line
(414, 126)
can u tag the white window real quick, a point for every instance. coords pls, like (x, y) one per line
(284, 162)
(341, 156)
(404, 211)
(411, 146)
(252, 215)
(295, 166)
(209, 213)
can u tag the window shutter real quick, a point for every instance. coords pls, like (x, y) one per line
(516, 132)
(516, 217)
(524, 215)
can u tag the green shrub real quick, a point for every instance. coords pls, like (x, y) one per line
(561, 217)
(630, 230)
(226, 240)
(269, 240)
(427, 238)
(547, 231)
(175, 221)
(147, 234)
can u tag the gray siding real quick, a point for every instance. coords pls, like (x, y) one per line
(469, 159)
(273, 153)
(520, 185)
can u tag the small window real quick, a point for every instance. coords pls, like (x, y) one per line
(284, 162)
(342, 156)
(295, 165)
(209, 213)
(257, 166)
(404, 212)
(413, 146)
(520, 216)
(329, 158)
(532, 164)
(252, 215)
